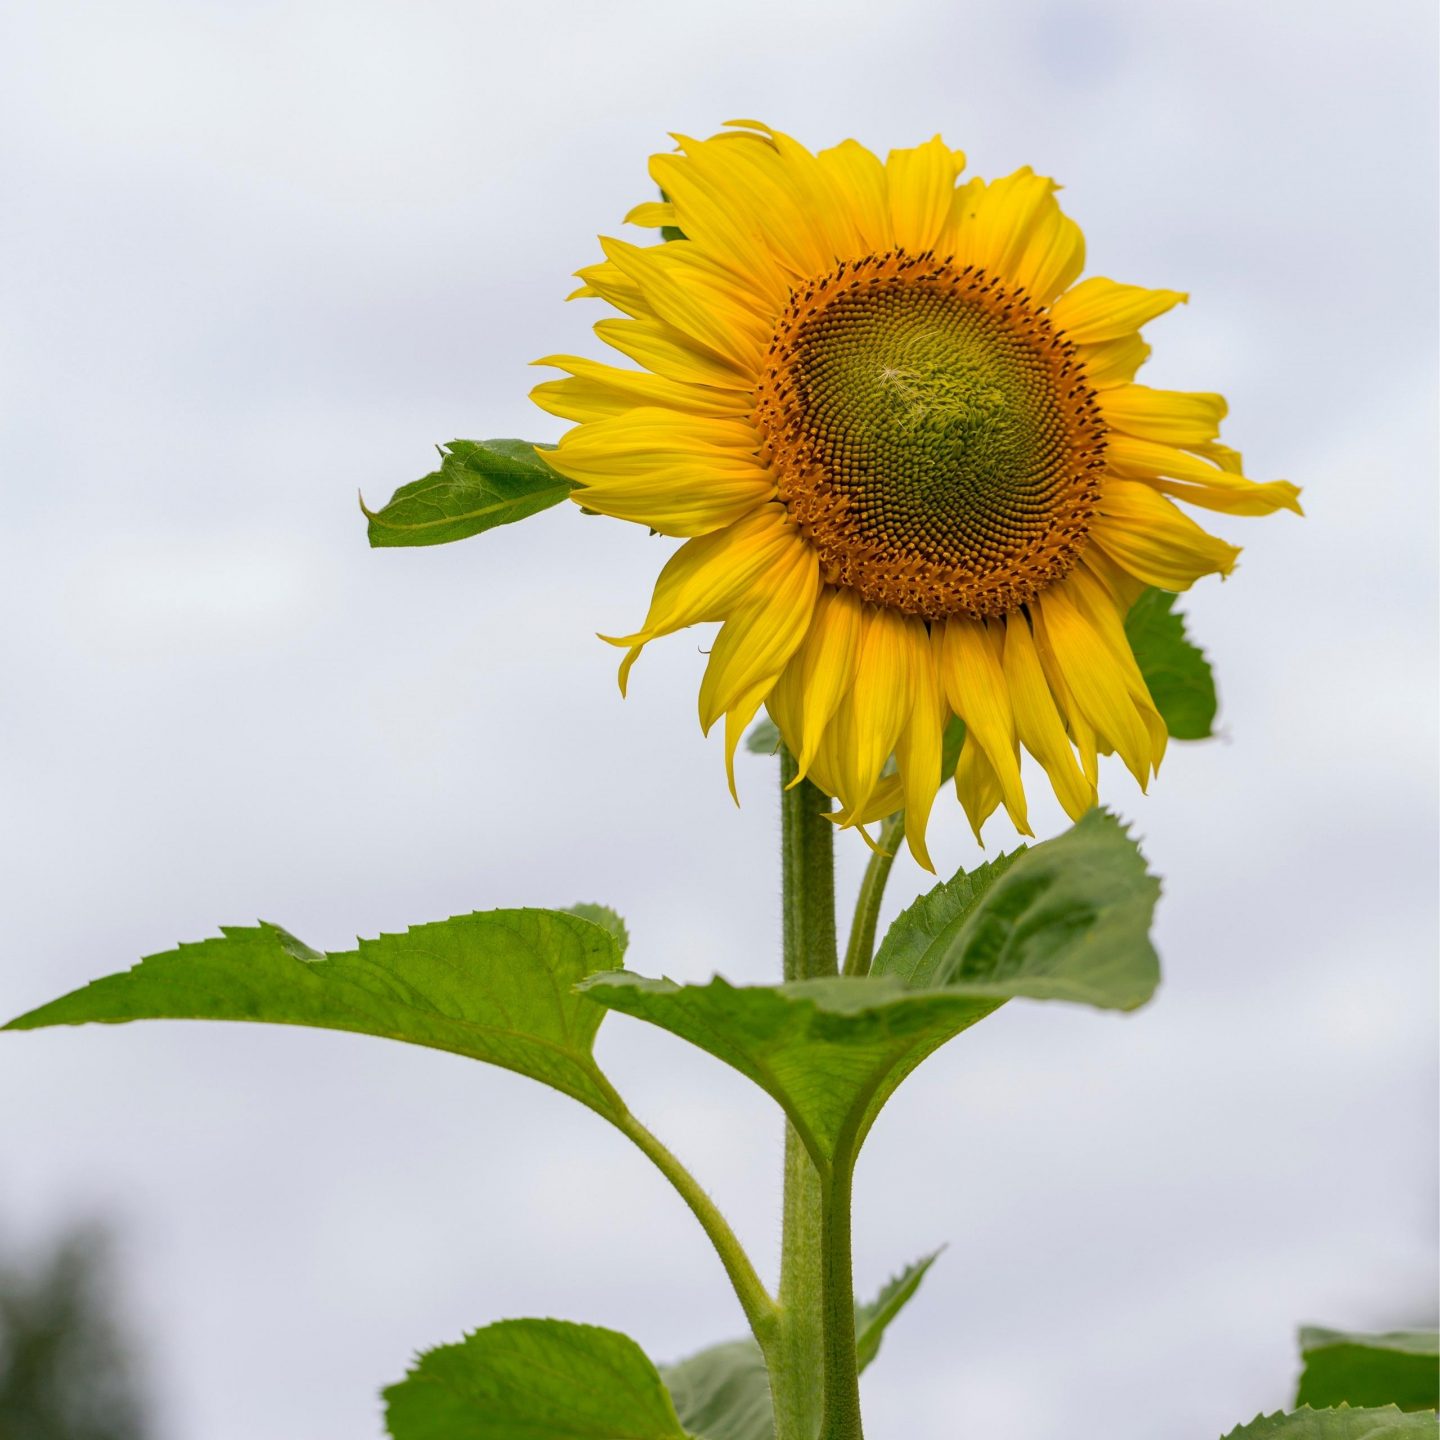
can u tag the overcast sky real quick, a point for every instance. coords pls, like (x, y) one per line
(256, 256)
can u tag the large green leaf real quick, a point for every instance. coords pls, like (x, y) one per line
(497, 986)
(480, 484)
(1067, 920)
(1400, 1368)
(1341, 1423)
(1175, 669)
(534, 1380)
(723, 1393)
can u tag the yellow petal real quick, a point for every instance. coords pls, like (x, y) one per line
(693, 301)
(1154, 540)
(1100, 309)
(652, 215)
(870, 719)
(707, 210)
(860, 176)
(826, 667)
(977, 786)
(1173, 417)
(1041, 730)
(1053, 255)
(919, 750)
(921, 186)
(996, 228)
(669, 353)
(679, 474)
(597, 391)
(974, 683)
(757, 180)
(763, 631)
(1094, 679)
(709, 577)
(1176, 472)
(1112, 362)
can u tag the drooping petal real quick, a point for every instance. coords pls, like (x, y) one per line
(709, 577)
(1095, 680)
(871, 717)
(919, 750)
(977, 785)
(970, 673)
(826, 668)
(763, 631)
(1154, 540)
(1038, 722)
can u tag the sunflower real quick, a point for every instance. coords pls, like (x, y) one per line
(906, 452)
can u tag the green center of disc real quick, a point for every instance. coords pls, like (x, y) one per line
(936, 420)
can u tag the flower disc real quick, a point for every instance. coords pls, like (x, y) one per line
(933, 436)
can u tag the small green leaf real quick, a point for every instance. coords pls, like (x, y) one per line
(1175, 669)
(496, 986)
(1400, 1368)
(533, 1380)
(1341, 1423)
(480, 484)
(723, 1393)
(872, 1320)
(607, 919)
(1066, 920)
(764, 738)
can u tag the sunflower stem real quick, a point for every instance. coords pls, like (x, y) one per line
(813, 1372)
(861, 949)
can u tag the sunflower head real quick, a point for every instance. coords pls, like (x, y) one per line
(913, 472)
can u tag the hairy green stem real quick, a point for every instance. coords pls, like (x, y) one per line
(760, 1310)
(814, 1378)
(861, 949)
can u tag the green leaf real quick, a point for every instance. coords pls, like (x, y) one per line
(764, 738)
(872, 1320)
(607, 919)
(1067, 919)
(911, 936)
(1341, 1423)
(480, 484)
(723, 1393)
(496, 986)
(533, 1380)
(1400, 1368)
(1175, 669)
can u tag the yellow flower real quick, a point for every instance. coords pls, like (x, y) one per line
(911, 466)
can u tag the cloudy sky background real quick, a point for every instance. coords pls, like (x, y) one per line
(256, 256)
